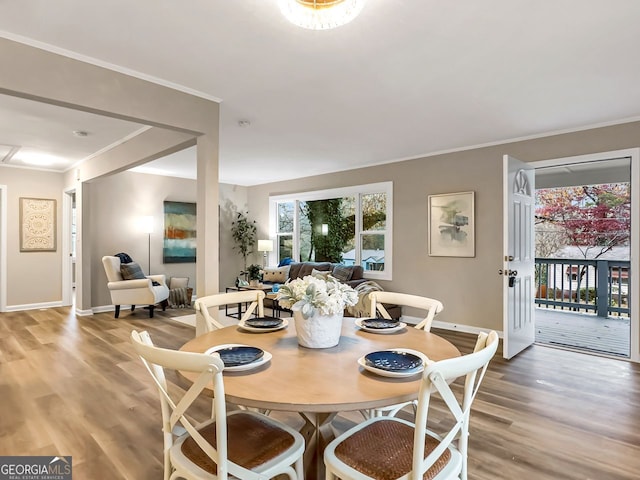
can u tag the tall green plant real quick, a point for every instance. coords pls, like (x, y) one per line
(244, 233)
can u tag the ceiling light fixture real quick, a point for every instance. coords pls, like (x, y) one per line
(38, 160)
(321, 14)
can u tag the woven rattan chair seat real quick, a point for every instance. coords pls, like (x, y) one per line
(250, 443)
(384, 451)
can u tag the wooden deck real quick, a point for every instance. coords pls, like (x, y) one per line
(585, 332)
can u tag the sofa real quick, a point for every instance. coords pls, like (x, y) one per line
(352, 275)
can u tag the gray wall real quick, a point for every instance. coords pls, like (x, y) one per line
(117, 203)
(178, 120)
(470, 288)
(32, 277)
(233, 198)
(113, 204)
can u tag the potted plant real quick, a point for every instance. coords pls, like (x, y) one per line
(254, 273)
(244, 234)
(318, 307)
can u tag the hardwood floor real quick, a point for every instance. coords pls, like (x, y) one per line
(72, 386)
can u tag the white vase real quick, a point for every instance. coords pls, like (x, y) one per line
(318, 331)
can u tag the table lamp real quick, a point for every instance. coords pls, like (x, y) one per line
(265, 246)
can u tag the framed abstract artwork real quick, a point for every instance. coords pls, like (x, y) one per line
(179, 232)
(37, 225)
(452, 225)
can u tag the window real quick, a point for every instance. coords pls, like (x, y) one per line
(284, 230)
(351, 225)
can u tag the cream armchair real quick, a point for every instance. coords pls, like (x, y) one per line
(134, 292)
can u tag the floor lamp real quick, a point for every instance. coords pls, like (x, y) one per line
(265, 246)
(147, 227)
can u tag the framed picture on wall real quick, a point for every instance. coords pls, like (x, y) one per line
(179, 232)
(37, 225)
(452, 225)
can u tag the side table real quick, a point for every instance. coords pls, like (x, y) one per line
(274, 304)
(241, 306)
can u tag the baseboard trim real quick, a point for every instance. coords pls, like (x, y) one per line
(33, 306)
(457, 327)
(102, 309)
(83, 313)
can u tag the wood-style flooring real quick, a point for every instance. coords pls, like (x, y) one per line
(73, 386)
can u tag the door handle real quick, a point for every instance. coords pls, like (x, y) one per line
(510, 274)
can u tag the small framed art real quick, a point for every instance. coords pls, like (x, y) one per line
(452, 225)
(37, 225)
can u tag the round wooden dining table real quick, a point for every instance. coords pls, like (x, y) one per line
(301, 379)
(319, 383)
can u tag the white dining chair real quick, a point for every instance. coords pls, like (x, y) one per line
(253, 298)
(392, 448)
(430, 308)
(429, 305)
(242, 444)
(254, 301)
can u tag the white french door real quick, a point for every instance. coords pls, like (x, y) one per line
(518, 269)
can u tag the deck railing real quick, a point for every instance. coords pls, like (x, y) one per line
(597, 286)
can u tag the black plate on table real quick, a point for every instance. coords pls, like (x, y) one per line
(379, 323)
(263, 322)
(234, 356)
(393, 361)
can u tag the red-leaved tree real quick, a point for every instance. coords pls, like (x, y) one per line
(594, 218)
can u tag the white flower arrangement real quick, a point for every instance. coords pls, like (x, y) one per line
(311, 294)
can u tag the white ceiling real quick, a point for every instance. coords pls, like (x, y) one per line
(403, 80)
(41, 132)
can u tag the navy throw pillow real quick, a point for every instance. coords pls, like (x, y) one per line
(131, 271)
